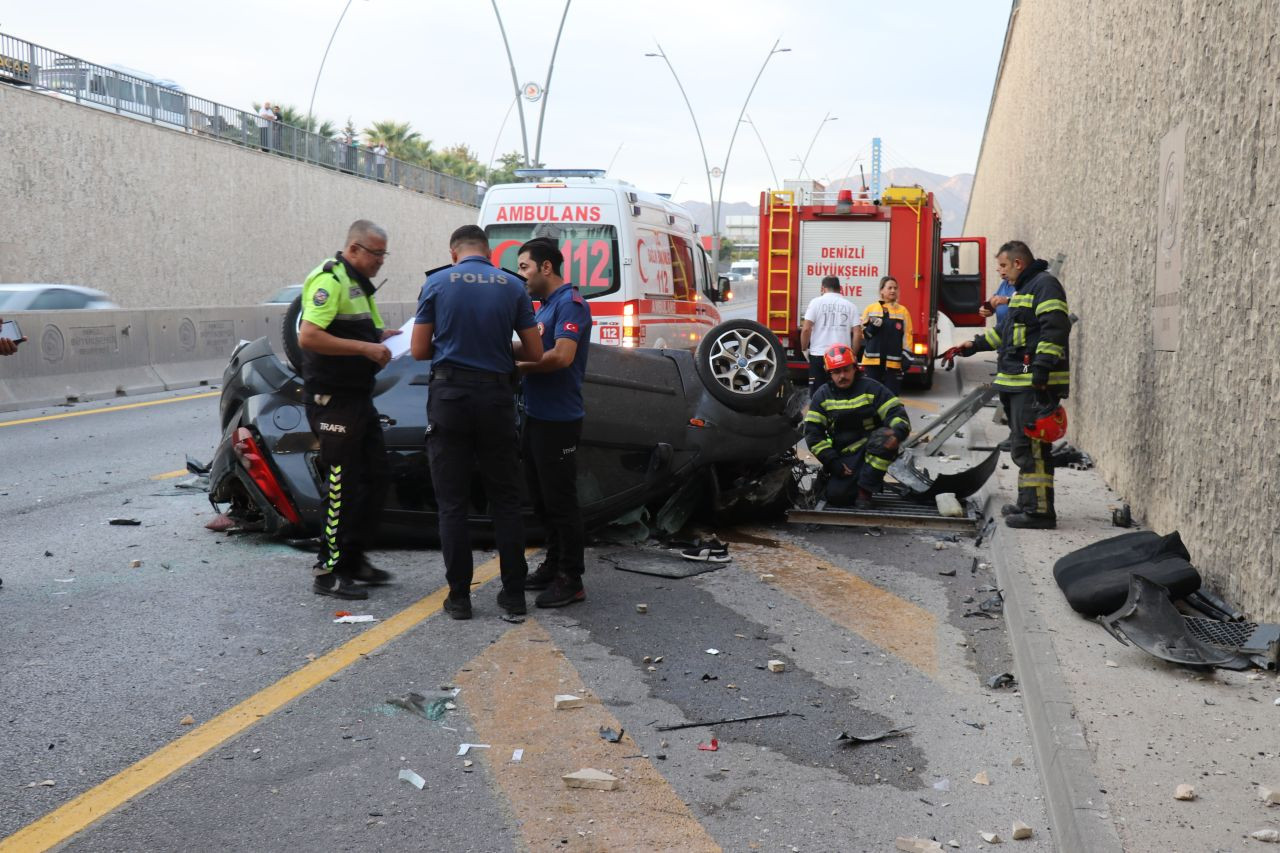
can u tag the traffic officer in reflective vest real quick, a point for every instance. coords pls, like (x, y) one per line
(1032, 375)
(553, 420)
(854, 426)
(884, 334)
(341, 337)
(466, 314)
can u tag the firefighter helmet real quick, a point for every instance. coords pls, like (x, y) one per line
(837, 356)
(1049, 426)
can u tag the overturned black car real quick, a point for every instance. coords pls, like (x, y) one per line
(666, 431)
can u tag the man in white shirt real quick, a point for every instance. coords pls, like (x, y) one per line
(265, 117)
(829, 319)
(380, 159)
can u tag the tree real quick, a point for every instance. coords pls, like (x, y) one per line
(506, 171)
(293, 117)
(726, 249)
(398, 136)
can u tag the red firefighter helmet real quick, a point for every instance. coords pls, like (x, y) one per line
(1049, 426)
(837, 356)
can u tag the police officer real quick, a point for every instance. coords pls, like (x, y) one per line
(854, 426)
(553, 420)
(466, 314)
(1032, 375)
(341, 338)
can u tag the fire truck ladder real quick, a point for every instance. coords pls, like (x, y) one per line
(778, 297)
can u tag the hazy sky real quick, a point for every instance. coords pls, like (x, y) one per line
(919, 75)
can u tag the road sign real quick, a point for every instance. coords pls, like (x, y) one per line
(532, 92)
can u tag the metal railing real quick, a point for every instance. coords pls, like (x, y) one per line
(163, 102)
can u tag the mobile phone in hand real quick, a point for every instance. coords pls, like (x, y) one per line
(9, 329)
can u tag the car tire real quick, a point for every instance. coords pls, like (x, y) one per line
(290, 327)
(742, 365)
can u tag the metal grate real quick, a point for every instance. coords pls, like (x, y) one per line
(1230, 635)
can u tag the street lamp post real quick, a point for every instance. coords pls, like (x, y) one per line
(310, 115)
(716, 201)
(546, 86)
(828, 117)
(768, 159)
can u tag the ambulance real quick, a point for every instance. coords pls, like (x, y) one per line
(635, 256)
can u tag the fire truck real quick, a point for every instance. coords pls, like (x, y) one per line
(808, 233)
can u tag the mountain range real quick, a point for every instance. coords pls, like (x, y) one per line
(950, 193)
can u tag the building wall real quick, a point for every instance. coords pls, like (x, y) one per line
(162, 218)
(1071, 163)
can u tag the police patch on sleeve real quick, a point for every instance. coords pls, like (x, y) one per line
(321, 297)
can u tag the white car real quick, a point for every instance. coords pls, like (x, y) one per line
(51, 297)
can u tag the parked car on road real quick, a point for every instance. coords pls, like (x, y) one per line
(722, 420)
(284, 295)
(51, 297)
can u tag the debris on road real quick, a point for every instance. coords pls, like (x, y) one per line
(135, 564)
(777, 665)
(766, 577)
(412, 778)
(1270, 796)
(567, 701)
(188, 720)
(942, 785)
(982, 778)
(713, 651)
(994, 604)
(991, 838)
(220, 523)
(1150, 621)
(642, 608)
(1122, 516)
(948, 506)
(411, 702)
(913, 844)
(64, 580)
(464, 748)
(517, 755)
(726, 721)
(714, 746)
(1112, 664)
(125, 522)
(47, 783)
(1021, 832)
(590, 778)
(1004, 679)
(1270, 836)
(947, 573)
(853, 740)
(611, 735)
(350, 619)
(1184, 792)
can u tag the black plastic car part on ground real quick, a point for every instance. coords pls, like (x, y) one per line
(655, 426)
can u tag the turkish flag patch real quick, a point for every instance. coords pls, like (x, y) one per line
(571, 327)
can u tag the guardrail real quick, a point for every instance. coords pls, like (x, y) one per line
(77, 356)
(163, 102)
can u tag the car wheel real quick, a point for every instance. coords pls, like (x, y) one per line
(742, 364)
(290, 328)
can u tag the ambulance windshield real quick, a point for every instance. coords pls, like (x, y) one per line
(589, 251)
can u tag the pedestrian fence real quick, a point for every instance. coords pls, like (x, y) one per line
(163, 102)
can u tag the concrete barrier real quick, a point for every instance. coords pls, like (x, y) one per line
(74, 356)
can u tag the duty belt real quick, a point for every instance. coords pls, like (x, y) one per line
(467, 376)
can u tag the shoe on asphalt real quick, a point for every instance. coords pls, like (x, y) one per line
(1010, 509)
(562, 592)
(541, 577)
(512, 603)
(371, 574)
(458, 608)
(714, 551)
(1031, 522)
(337, 586)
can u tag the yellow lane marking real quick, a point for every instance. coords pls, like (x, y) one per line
(97, 802)
(169, 475)
(508, 691)
(105, 409)
(894, 624)
(920, 404)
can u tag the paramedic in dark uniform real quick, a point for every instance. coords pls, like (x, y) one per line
(553, 420)
(466, 315)
(341, 338)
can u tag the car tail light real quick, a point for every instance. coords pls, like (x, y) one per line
(256, 465)
(919, 349)
(630, 327)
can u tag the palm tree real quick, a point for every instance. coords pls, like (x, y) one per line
(398, 136)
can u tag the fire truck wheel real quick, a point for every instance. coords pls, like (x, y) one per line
(742, 364)
(290, 328)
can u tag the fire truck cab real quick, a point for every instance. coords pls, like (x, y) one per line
(635, 256)
(808, 233)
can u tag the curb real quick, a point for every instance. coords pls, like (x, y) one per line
(1078, 809)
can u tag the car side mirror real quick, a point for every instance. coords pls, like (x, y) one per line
(724, 290)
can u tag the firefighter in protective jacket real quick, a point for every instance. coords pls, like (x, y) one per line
(1032, 375)
(854, 426)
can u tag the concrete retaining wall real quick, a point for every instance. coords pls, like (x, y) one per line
(91, 355)
(161, 218)
(1071, 162)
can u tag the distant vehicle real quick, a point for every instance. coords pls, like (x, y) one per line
(733, 275)
(745, 269)
(634, 255)
(118, 89)
(284, 295)
(51, 297)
